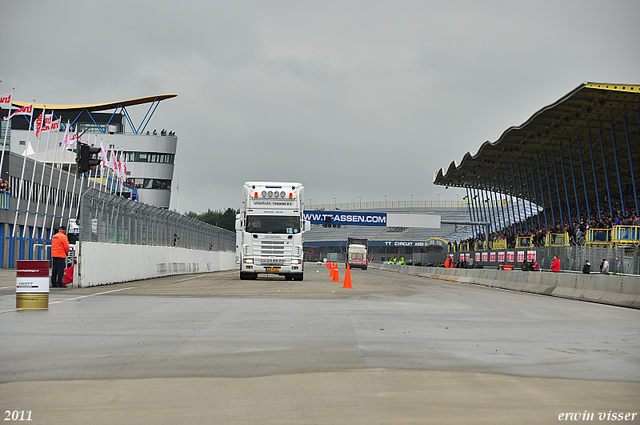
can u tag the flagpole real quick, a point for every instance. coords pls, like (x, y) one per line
(102, 164)
(6, 130)
(39, 123)
(55, 204)
(21, 181)
(120, 172)
(53, 167)
(44, 167)
(66, 185)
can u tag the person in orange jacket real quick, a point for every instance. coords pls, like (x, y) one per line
(59, 251)
(555, 266)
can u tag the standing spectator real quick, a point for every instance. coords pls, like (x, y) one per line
(555, 266)
(586, 269)
(59, 251)
(604, 266)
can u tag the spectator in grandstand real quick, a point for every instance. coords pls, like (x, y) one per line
(4, 186)
(604, 266)
(555, 266)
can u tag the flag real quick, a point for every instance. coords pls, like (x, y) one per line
(69, 141)
(38, 124)
(5, 101)
(48, 123)
(119, 166)
(124, 167)
(65, 139)
(25, 110)
(55, 125)
(103, 155)
(112, 160)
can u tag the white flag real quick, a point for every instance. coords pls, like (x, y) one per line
(5, 101)
(25, 110)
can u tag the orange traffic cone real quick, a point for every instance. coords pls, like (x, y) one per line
(347, 279)
(336, 275)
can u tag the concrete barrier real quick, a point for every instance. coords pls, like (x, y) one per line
(617, 290)
(103, 264)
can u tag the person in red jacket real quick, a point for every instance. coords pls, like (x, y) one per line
(59, 251)
(555, 266)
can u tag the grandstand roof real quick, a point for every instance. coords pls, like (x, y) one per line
(589, 120)
(100, 106)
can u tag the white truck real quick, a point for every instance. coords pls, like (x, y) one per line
(269, 230)
(357, 253)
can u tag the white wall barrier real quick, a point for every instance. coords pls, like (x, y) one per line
(104, 263)
(617, 290)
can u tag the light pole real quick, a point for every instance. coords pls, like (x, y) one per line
(309, 203)
(360, 196)
(438, 199)
(334, 203)
(385, 200)
(411, 199)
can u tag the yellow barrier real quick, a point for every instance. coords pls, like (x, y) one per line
(626, 235)
(499, 244)
(557, 239)
(524, 242)
(5, 200)
(598, 237)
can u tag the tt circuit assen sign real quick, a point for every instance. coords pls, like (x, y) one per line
(345, 218)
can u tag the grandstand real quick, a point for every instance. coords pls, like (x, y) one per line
(405, 241)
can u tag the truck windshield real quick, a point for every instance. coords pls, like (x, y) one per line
(273, 224)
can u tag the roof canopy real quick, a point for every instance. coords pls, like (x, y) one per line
(100, 106)
(587, 141)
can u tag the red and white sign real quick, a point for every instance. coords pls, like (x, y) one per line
(477, 256)
(510, 256)
(485, 256)
(467, 257)
(32, 277)
(461, 257)
(531, 256)
(501, 257)
(492, 257)
(520, 256)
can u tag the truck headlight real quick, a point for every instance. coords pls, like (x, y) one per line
(295, 261)
(248, 260)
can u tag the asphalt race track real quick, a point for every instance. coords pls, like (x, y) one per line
(211, 349)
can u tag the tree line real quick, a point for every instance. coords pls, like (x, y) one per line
(224, 219)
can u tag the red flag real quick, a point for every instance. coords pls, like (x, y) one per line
(25, 110)
(38, 126)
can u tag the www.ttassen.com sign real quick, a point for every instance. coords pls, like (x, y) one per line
(345, 218)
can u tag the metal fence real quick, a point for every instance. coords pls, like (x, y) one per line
(108, 218)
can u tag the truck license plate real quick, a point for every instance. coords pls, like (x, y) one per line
(273, 269)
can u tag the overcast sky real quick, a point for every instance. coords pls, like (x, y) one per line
(348, 97)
